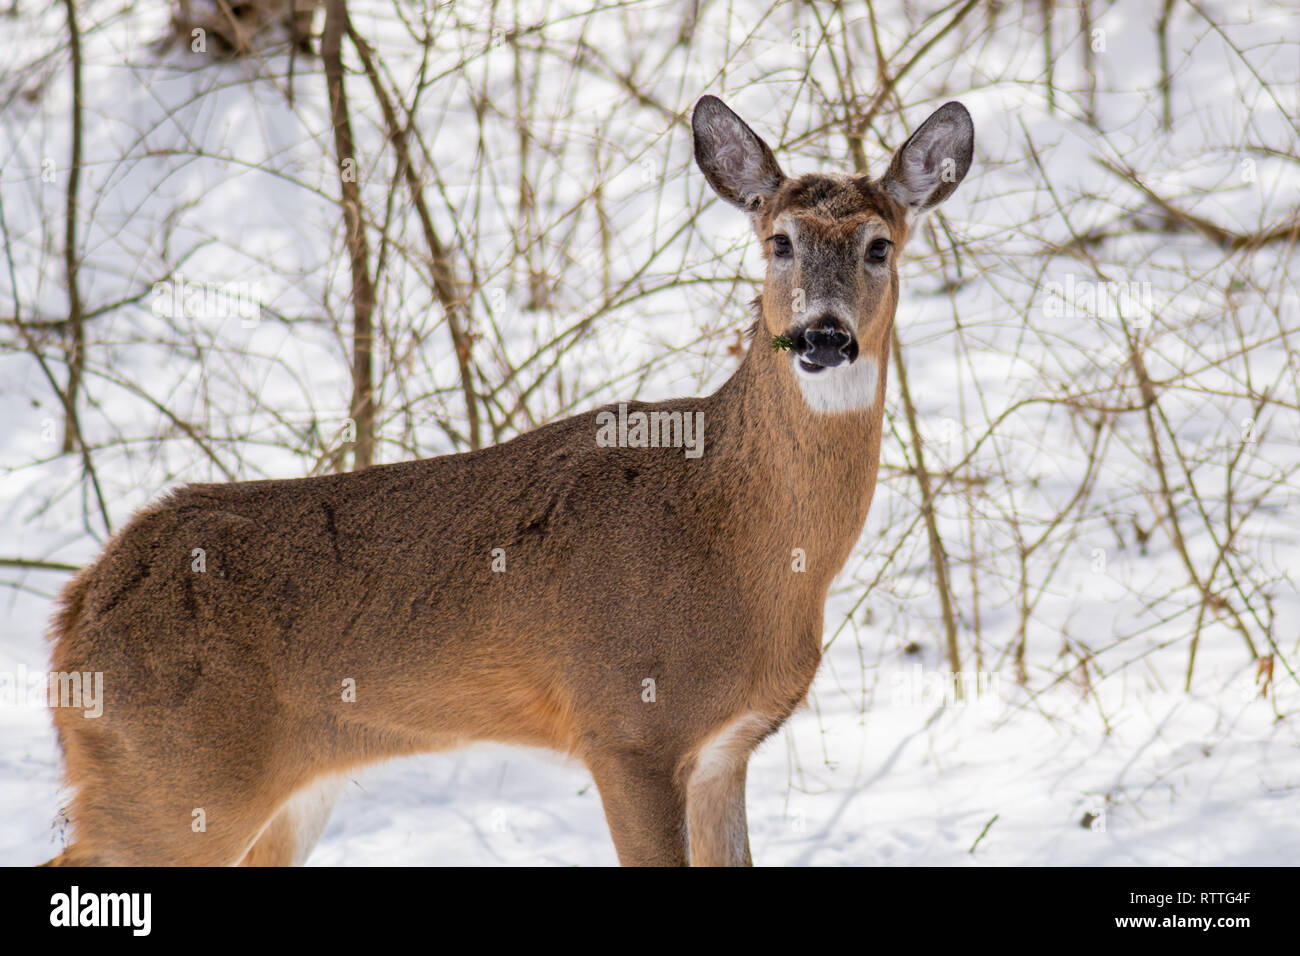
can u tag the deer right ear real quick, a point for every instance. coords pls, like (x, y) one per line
(927, 168)
(738, 165)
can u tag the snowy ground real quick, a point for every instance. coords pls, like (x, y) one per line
(1100, 758)
(1178, 781)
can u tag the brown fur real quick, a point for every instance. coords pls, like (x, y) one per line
(236, 28)
(223, 689)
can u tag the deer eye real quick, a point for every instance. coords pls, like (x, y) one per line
(781, 246)
(879, 250)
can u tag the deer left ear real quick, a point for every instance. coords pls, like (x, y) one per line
(934, 160)
(737, 163)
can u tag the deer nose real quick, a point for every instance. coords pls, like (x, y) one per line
(829, 339)
(826, 344)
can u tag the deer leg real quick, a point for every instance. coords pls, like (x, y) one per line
(715, 793)
(116, 830)
(644, 808)
(715, 814)
(135, 808)
(292, 833)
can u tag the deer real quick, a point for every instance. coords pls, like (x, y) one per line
(652, 613)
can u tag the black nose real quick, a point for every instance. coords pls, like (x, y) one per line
(825, 344)
(827, 339)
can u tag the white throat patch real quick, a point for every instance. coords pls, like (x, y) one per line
(845, 388)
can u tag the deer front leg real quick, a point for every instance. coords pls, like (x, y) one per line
(715, 815)
(644, 808)
(715, 792)
(289, 837)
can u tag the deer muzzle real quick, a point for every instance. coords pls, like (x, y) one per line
(824, 343)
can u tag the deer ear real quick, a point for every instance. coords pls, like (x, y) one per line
(928, 167)
(738, 165)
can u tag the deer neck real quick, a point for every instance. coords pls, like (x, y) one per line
(800, 475)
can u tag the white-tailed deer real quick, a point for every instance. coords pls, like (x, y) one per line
(592, 586)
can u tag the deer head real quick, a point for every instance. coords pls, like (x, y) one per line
(831, 242)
